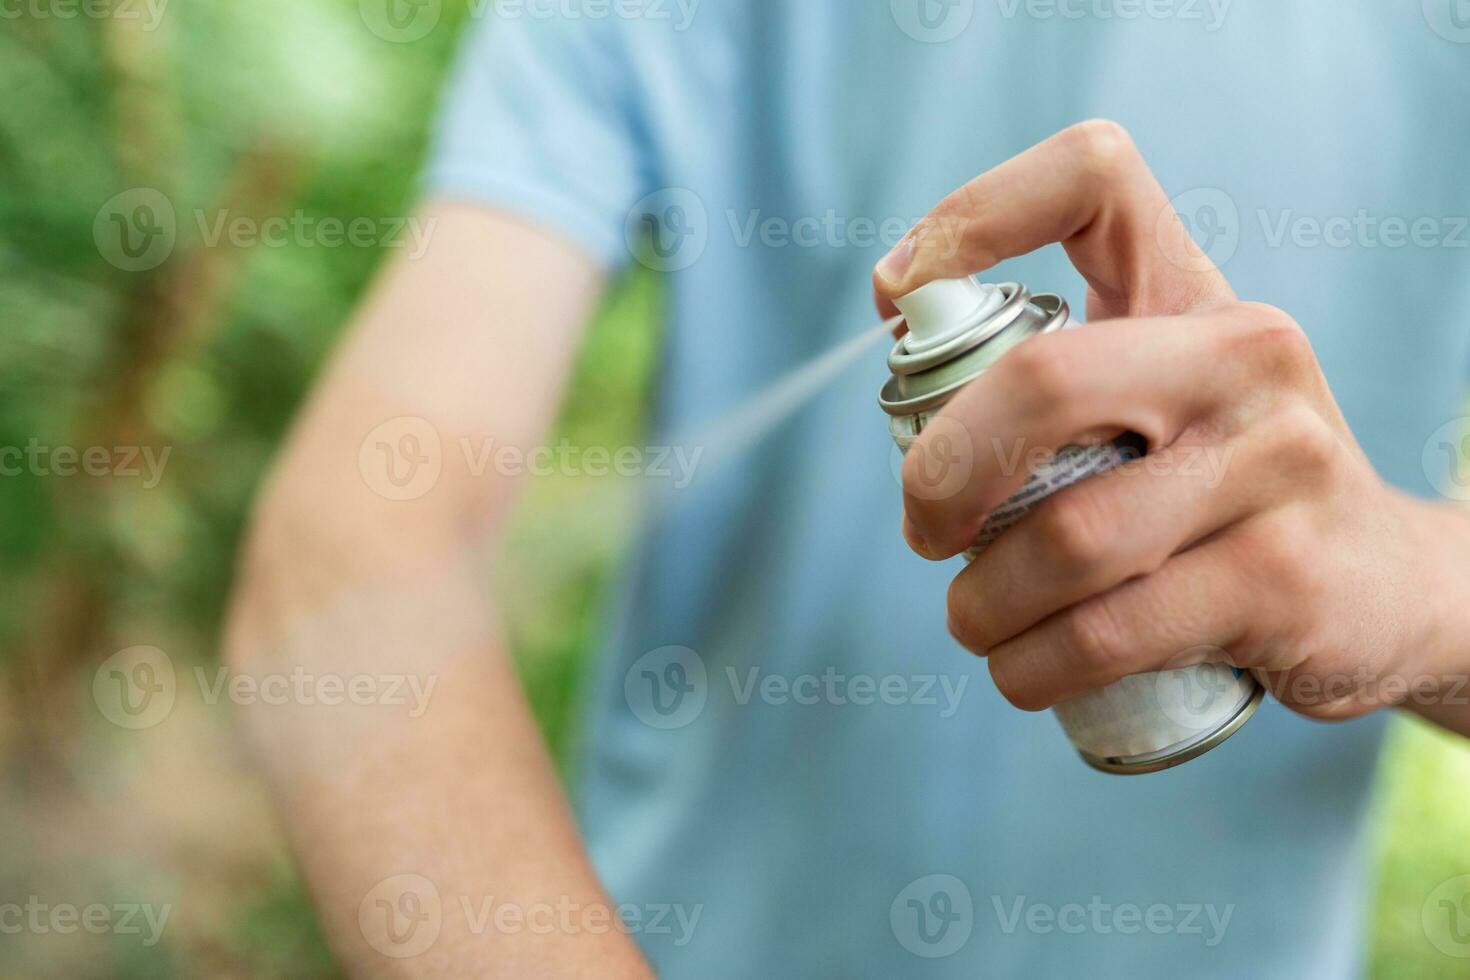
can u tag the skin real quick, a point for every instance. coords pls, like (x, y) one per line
(1294, 560)
(339, 581)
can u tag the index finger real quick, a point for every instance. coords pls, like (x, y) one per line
(1089, 189)
(1153, 376)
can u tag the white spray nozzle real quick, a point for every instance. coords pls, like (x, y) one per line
(944, 308)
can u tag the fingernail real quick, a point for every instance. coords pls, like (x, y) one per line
(916, 541)
(896, 263)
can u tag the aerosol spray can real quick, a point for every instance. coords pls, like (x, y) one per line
(958, 329)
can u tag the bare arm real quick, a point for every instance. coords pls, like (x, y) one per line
(423, 827)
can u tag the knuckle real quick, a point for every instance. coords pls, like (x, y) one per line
(1095, 637)
(1267, 316)
(1278, 343)
(1102, 146)
(1039, 373)
(1307, 448)
(1281, 551)
(1075, 530)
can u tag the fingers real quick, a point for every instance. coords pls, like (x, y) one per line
(1199, 599)
(1087, 188)
(1153, 377)
(1093, 537)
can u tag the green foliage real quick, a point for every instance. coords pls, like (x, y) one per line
(279, 107)
(1423, 839)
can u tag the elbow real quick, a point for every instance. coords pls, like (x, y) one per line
(319, 550)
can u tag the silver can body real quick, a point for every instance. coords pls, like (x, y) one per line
(1140, 724)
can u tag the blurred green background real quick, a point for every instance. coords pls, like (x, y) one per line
(260, 109)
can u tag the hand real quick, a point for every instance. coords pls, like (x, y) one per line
(1256, 526)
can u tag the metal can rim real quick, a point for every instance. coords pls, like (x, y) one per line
(1170, 758)
(1053, 315)
(901, 361)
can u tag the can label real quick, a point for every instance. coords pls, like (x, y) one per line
(1145, 719)
(1141, 723)
(1070, 465)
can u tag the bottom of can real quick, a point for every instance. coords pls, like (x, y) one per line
(1178, 754)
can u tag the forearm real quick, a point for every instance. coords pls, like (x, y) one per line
(444, 778)
(370, 585)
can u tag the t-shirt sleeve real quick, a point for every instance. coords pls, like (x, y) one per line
(540, 121)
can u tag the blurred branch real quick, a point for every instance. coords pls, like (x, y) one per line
(168, 313)
(145, 114)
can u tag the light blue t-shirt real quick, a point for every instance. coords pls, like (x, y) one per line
(822, 784)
